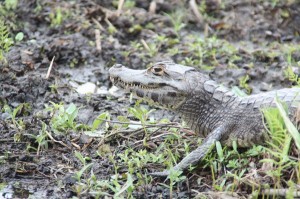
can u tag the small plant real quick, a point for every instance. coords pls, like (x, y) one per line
(140, 112)
(138, 160)
(79, 174)
(18, 123)
(177, 21)
(19, 36)
(152, 48)
(243, 83)
(5, 41)
(111, 28)
(173, 51)
(41, 139)
(11, 4)
(58, 16)
(280, 143)
(62, 119)
(292, 76)
(175, 177)
(103, 117)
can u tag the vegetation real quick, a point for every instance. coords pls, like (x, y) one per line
(230, 169)
(5, 41)
(110, 151)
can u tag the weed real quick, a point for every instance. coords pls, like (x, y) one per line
(41, 139)
(152, 48)
(177, 20)
(11, 4)
(138, 160)
(111, 28)
(100, 119)
(135, 28)
(292, 76)
(19, 36)
(5, 41)
(280, 143)
(243, 83)
(58, 16)
(136, 45)
(54, 88)
(62, 119)
(38, 7)
(79, 174)
(140, 113)
(289, 125)
(82, 159)
(17, 123)
(175, 177)
(173, 51)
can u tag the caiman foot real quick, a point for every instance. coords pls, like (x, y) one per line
(196, 155)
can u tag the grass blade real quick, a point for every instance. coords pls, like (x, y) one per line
(289, 125)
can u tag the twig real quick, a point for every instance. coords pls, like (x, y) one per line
(11, 140)
(152, 7)
(196, 12)
(60, 142)
(108, 22)
(137, 131)
(154, 137)
(120, 6)
(50, 68)
(100, 27)
(171, 124)
(76, 145)
(145, 45)
(280, 192)
(98, 40)
(91, 140)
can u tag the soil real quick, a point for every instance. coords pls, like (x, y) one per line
(262, 34)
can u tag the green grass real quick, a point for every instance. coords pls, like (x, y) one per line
(226, 169)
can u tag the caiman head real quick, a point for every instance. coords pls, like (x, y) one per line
(164, 84)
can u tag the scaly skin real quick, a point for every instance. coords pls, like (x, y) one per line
(211, 110)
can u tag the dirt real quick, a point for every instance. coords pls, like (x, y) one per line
(262, 34)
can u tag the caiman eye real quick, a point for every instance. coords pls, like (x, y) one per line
(157, 70)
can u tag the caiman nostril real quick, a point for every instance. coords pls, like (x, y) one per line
(117, 66)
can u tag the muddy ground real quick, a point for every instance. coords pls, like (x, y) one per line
(247, 44)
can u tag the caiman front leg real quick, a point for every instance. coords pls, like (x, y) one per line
(196, 155)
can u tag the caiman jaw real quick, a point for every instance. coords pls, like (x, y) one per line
(127, 85)
(159, 95)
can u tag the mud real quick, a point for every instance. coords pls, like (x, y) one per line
(260, 33)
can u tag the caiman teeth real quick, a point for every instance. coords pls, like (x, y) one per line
(112, 79)
(118, 82)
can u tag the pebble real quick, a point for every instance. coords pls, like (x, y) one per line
(87, 88)
(265, 87)
(116, 92)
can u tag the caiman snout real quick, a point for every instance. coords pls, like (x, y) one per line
(117, 66)
(115, 69)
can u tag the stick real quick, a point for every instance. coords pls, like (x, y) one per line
(50, 68)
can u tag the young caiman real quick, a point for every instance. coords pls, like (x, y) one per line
(211, 110)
